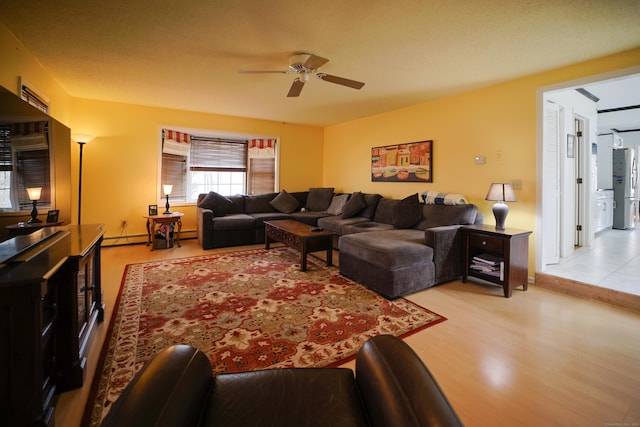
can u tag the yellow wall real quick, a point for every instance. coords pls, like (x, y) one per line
(18, 62)
(120, 166)
(498, 122)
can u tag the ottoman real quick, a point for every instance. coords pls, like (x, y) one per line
(391, 262)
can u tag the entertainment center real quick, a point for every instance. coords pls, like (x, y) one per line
(50, 304)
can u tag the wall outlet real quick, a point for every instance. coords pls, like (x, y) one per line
(516, 184)
(123, 224)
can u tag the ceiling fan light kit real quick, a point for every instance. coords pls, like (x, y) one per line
(305, 65)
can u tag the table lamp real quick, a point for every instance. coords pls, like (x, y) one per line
(34, 196)
(167, 190)
(500, 193)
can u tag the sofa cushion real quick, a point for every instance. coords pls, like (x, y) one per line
(366, 226)
(336, 223)
(285, 202)
(319, 199)
(384, 211)
(337, 204)
(390, 249)
(259, 203)
(354, 205)
(285, 397)
(407, 213)
(269, 216)
(371, 201)
(219, 204)
(309, 217)
(234, 222)
(439, 215)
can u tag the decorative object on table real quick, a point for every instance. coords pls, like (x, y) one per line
(34, 196)
(412, 162)
(153, 210)
(167, 191)
(81, 139)
(500, 193)
(246, 310)
(52, 215)
(163, 238)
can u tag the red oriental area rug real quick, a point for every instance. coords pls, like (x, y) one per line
(247, 310)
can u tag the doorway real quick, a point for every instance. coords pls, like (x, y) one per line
(583, 126)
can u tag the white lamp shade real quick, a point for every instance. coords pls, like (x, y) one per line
(34, 193)
(500, 192)
(167, 188)
(82, 137)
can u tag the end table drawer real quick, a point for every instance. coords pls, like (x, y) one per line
(486, 243)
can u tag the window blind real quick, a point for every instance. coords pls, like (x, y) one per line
(174, 170)
(211, 155)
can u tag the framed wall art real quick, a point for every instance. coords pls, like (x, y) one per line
(412, 162)
(52, 216)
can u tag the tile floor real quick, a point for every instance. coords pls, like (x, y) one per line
(613, 262)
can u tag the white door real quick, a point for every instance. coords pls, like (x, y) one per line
(551, 184)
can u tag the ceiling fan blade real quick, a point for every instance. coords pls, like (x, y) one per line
(261, 72)
(340, 80)
(296, 88)
(314, 62)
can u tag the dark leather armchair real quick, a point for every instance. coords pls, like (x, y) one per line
(391, 387)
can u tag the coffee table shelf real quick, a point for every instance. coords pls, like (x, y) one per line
(299, 236)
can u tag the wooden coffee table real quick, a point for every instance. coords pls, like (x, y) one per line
(299, 236)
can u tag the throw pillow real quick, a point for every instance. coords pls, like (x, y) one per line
(285, 202)
(337, 204)
(319, 199)
(407, 212)
(354, 205)
(218, 203)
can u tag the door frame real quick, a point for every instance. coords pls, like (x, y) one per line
(540, 99)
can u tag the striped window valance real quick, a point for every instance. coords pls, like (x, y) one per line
(263, 147)
(177, 143)
(29, 136)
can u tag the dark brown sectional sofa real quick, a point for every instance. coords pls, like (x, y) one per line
(394, 247)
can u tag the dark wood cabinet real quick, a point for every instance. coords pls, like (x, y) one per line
(50, 301)
(497, 256)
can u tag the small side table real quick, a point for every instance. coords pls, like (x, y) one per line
(152, 220)
(26, 228)
(507, 249)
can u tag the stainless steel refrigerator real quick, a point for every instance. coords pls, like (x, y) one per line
(625, 187)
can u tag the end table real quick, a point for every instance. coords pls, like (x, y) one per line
(496, 256)
(169, 219)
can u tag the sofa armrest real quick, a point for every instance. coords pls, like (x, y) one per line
(204, 227)
(170, 390)
(397, 388)
(446, 242)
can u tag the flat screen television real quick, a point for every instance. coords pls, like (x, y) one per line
(34, 152)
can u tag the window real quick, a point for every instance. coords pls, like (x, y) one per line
(24, 163)
(198, 164)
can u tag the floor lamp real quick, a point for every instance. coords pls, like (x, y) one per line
(81, 139)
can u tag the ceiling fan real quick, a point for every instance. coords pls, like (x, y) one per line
(306, 65)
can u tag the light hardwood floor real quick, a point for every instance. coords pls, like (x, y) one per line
(540, 358)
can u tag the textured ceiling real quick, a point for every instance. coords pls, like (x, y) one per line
(186, 55)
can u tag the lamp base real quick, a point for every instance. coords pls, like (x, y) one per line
(34, 214)
(500, 211)
(167, 211)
